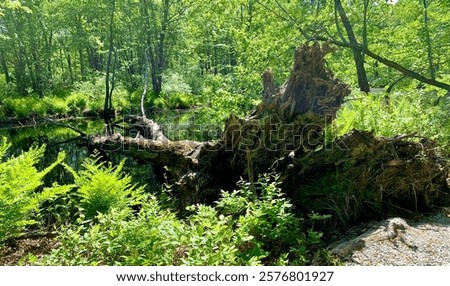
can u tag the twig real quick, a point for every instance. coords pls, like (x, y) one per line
(404, 136)
(67, 126)
(64, 142)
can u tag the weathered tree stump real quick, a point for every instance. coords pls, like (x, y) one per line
(356, 176)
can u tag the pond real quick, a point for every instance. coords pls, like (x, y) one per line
(177, 125)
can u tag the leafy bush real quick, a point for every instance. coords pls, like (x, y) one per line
(103, 187)
(55, 105)
(173, 101)
(20, 189)
(76, 103)
(267, 216)
(244, 229)
(24, 106)
(174, 83)
(119, 238)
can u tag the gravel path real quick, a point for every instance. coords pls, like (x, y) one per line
(395, 241)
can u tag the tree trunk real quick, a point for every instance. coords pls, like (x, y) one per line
(69, 67)
(5, 67)
(358, 55)
(107, 107)
(354, 177)
(82, 65)
(426, 20)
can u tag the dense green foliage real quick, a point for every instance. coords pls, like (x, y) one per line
(54, 54)
(21, 191)
(405, 113)
(243, 228)
(101, 188)
(66, 58)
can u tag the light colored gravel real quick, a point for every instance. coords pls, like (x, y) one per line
(398, 242)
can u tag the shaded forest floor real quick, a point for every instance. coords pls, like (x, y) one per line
(22, 250)
(421, 240)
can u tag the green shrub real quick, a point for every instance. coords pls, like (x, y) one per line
(175, 93)
(103, 187)
(174, 83)
(120, 238)
(243, 229)
(20, 189)
(174, 101)
(24, 106)
(267, 216)
(55, 105)
(93, 92)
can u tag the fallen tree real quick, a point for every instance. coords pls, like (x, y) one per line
(354, 177)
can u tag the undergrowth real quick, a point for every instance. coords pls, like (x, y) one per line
(108, 220)
(407, 112)
(22, 191)
(241, 229)
(83, 97)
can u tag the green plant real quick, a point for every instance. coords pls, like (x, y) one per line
(174, 101)
(21, 191)
(121, 238)
(76, 103)
(267, 216)
(407, 112)
(244, 228)
(102, 187)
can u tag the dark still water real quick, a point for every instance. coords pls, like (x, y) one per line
(57, 138)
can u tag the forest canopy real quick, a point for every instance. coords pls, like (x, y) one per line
(198, 47)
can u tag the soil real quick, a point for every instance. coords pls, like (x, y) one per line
(16, 252)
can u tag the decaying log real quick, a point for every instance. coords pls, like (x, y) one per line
(356, 176)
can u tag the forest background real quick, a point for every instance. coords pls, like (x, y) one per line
(65, 58)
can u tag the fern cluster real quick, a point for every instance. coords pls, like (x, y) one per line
(21, 191)
(412, 112)
(102, 187)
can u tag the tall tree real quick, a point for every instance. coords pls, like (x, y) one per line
(109, 80)
(358, 53)
(160, 19)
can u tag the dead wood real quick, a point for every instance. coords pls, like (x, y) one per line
(355, 177)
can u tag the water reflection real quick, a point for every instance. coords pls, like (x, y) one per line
(57, 138)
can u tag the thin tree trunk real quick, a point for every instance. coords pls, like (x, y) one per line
(108, 93)
(70, 67)
(82, 65)
(5, 67)
(151, 52)
(358, 55)
(162, 46)
(428, 40)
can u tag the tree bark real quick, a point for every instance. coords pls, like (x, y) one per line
(428, 39)
(5, 67)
